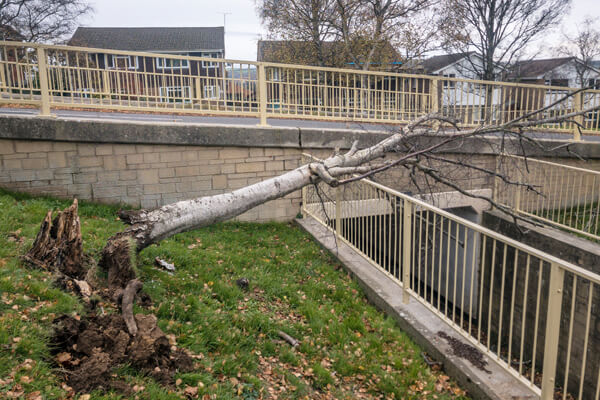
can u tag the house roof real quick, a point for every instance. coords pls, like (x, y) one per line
(9, 33)
(435, 63)
(535, 68)
(151, 39)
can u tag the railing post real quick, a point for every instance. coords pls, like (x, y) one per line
(517, 199)
(43, 77)
(338, 212)
(497, 165)
(262, 95)
(434, 99)
(434, 94)
(555, 298)
(577, 106)
(406, 249)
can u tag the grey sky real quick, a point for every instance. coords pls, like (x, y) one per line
(243, 26)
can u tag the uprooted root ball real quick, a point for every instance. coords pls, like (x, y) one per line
(89, 349)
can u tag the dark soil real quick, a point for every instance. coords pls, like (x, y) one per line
(466, 351)
(89, 350)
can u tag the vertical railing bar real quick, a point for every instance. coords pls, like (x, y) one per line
(491, 297)
(524, 314)
(434, 229)
(512, 307)
(480, 292)
(440, 262)
(551, 338)
(585, 340)
(570, 336)
(472, 284)
(502, 283)
(537, 315)
(406, 246)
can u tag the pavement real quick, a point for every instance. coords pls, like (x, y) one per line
(240, 121)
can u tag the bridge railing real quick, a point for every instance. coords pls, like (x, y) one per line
(531, 313)
(78, 77)
(564, 196)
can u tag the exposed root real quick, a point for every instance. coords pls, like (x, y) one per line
(129, 293)
(118, 258)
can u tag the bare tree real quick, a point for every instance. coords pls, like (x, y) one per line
(304, 25)
(363, 32)
(370, 28)
(584, 46)
(41, 20)
(497, 31)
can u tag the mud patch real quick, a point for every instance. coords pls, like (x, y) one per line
(89, 349)
(466, 351)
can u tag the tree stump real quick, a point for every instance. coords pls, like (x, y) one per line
(58, 245)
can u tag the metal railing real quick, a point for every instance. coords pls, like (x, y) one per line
(533, 314)
(564, 196)
(76, 77)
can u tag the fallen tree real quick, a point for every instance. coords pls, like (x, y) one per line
(58, 245)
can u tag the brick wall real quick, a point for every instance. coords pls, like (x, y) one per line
(144, 175)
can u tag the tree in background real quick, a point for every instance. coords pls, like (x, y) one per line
(41, 20)
(366, 30)
(585, 46)
(497, 31)
(300, 21)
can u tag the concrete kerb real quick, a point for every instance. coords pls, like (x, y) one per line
(421, 324)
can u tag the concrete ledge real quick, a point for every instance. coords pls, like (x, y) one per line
(129, 132)
(420, 323)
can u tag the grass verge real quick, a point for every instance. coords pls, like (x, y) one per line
(348, 349)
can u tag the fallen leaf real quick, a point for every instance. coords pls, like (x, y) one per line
(191, 392)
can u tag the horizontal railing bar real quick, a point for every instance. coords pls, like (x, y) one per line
(535, 160)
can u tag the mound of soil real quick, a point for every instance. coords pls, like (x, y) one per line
(89, 349)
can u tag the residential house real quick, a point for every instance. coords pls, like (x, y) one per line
(565, 72)
(472, 102)
(155, 78)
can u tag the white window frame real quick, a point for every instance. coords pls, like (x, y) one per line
(211, 54)
(130, 65)
(161, 63)
(214, 90)
(449, 84)
(186, 94)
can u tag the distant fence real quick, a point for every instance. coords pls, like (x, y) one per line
(560, 195)
(530, 312)
(76, 77)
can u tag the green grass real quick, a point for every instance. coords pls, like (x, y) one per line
(349, 349)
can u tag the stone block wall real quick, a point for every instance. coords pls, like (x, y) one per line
(145, 175)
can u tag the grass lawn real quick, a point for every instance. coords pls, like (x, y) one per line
(348, 349)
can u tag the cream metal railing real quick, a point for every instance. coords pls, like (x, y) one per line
(77, 77)
(532, 313)
(563, 196)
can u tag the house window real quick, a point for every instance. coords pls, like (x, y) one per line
(448, 83)
(593, 83)
(210, 64)
(175, 94)
(123, 62)
(172, 63)
(211, 92)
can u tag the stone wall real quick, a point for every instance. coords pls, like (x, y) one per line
(150, 164)
(144, 175)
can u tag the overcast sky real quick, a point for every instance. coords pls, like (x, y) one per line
(243, 26)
